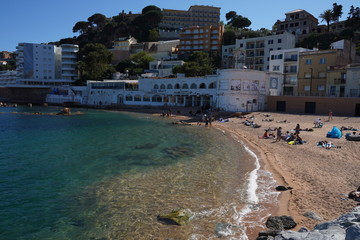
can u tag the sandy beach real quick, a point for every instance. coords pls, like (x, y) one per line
(321, 178)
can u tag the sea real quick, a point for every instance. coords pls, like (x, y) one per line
(101, 175)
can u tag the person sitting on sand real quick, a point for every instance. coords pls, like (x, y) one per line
(267, 135)
(297, 129)
(298, 139)
(318, 123)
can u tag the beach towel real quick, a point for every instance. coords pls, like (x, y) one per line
(334, 133)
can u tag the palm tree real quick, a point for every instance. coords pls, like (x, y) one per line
(327, 16)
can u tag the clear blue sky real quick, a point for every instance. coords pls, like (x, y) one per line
(40, 21)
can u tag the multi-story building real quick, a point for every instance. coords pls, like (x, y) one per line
(254, 53)
(69, 62)
(196, 15)
(228, 56)
(323, 73)
(352, 87)
(46, 63)
(164, 68)
(297, 22)
(7, 77)
(201, 38)
(286, 63)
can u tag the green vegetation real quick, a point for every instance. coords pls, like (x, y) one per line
(199, 64)
(11, 65)
(136, 64)
(94, 62)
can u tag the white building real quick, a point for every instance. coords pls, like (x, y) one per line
(164, 68)
(286, 63)
(230, 90)
(41, 63)
(255, 52)
(7, 77)
(352, 87)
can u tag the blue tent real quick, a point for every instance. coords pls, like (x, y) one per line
(334, 133)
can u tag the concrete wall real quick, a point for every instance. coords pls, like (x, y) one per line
(314, 105)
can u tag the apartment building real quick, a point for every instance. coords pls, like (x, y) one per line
(352, 85)
(196, 15)
(285, 62)
(43, 63)
(201, 38)
(254, 53)
(298, 22)
(323, 73)
(7, 77)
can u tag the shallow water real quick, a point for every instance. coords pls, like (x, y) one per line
(107, 175)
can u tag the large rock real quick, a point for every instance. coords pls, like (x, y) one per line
(280, 223)
(346, 227)
(180, 216)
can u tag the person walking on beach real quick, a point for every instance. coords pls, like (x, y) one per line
(297, 129)
(278, 134)
(330, 115)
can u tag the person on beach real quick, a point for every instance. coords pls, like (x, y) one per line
(330, 115)
(317, 123)
(278, 134)
(297, 129)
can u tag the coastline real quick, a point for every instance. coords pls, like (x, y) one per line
(320, 178)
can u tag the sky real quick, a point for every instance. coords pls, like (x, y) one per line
(40, 21)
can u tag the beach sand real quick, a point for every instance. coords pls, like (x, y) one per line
(321, 178)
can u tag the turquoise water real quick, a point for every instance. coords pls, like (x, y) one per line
(106, 175)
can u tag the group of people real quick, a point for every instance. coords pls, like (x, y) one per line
(291, 138)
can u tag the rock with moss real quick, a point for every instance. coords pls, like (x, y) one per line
(179, 216)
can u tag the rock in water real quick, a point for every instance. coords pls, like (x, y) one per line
(280, 222)
(180, 216)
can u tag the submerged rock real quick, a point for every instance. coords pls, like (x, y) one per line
(178, 152)
(180, 216)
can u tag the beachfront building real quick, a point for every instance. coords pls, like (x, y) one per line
(230, 90)
(285, 62)
(201, 38)
(254, 53)
(323, 73)
(46, 64)
(298, 22)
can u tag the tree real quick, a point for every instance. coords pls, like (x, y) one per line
(229, 37)
(336, 12)
(326, 16)
(141, 59)
(98, 19)
(150, 8)
(199, 64)
(95, 62)
(230, 15)
(237, 21)
(353, 20)
(82, 27)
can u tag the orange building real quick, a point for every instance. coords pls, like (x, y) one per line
(201, 38)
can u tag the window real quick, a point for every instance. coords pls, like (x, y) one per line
(156, 86)
(128, 98)
(279, 40)
(202, 86)
(212, 85)
(193, 86)
(169, 86)
(241, 45)
(177, 86)
(185, 86)
(270, 41)
(162, 86)
(322, 60)
(146, 98)
(276, 68)
(307, 75)
(321, 88)
(322, 74)
(137, 98)
(308, 61)
(156, 98)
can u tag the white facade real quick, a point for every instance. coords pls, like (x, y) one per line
(7, 77)
(229, 90)
(256, 51)
(227, 56)
(164, 68)
(44, 62)
(352, 87)
(286, 63)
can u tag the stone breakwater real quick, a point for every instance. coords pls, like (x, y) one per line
(346, 227)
